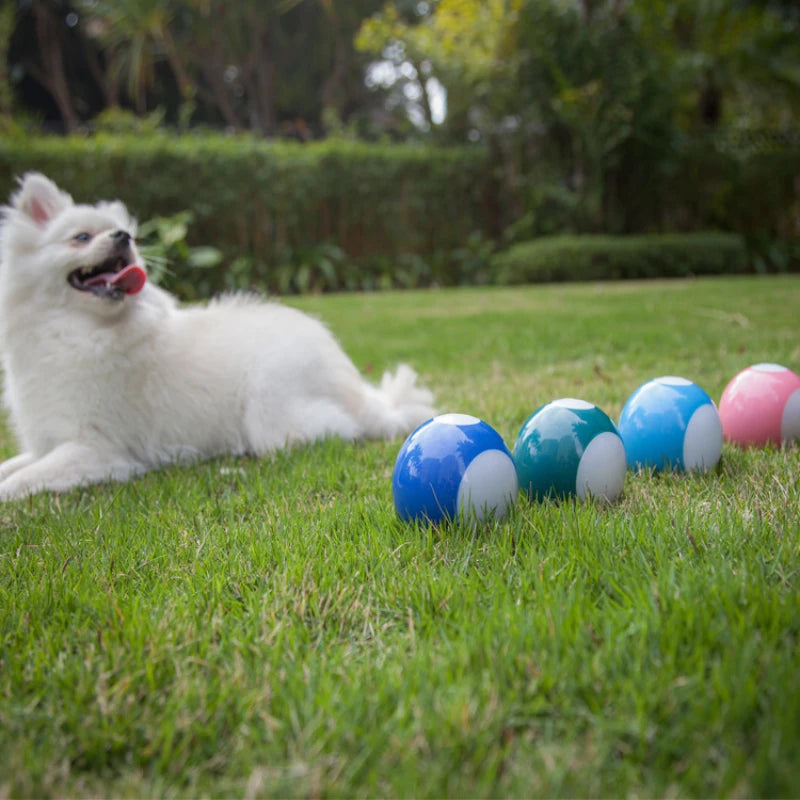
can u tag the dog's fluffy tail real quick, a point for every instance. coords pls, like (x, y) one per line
(397, 405)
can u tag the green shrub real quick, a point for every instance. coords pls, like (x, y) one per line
(162, 243)
(285, 216)
(346, 215)
(595, 258)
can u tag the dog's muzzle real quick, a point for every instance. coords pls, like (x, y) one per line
(113, 278)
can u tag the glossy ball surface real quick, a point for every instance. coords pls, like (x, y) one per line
(671, 423)
(570, 447)
(761, 405)
(454, 467)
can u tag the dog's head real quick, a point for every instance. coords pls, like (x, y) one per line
(55, 249)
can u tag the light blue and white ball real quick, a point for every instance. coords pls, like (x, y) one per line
(570, 448)
(671, 423)
(454, 467)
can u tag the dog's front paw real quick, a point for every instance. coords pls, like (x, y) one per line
(14, 489)
(14, 464)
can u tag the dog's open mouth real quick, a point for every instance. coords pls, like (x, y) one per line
(114, 278)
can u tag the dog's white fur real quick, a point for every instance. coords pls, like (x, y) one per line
(105, 388)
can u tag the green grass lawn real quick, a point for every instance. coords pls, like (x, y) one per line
(268, 627)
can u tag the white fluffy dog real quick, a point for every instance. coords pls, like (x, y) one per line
(107, 377)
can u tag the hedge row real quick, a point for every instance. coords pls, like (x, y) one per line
(336, 215)
(592, 258)
(329, 207)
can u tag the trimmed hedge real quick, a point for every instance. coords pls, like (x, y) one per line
(342, 215)
(278, 207)
(597, 258)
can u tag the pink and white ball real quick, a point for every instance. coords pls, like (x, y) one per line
(760, 406)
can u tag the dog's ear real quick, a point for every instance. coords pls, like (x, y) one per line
(39, 198)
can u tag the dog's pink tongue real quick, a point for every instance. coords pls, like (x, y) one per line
(131, 279)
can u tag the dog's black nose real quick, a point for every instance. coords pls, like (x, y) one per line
(121, 238)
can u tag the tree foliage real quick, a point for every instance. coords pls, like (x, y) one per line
(594, 98)
(459, 45)
(276, 67)
(590, 71)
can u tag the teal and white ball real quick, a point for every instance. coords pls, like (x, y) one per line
(570, 447)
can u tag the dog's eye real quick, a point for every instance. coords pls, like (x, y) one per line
(82, 237)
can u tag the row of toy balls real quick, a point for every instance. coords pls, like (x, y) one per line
(457, 466)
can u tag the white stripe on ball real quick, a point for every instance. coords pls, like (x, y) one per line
(790, 421)
(488, 487)
(601, 471)
(702, 441)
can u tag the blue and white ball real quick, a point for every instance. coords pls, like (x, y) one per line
(570, 447)
(454, 467)
(671, 423)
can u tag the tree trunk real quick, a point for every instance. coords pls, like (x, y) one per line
(103, 78)
(186, 86)
(425, 98)
(332, 87)
(260, 75)
(53, 76)
(213, 65)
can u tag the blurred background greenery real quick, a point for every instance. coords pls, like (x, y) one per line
(356, 144)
